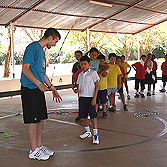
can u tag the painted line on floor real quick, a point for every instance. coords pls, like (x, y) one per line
(163, 132)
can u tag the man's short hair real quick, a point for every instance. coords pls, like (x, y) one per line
(118, 57)
(52, 32)
(78, 51)
(101, 56)
(112, 55)
(85, 58)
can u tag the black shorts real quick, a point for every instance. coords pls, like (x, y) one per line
(164, 78)
(34, 105)
(148, 78)
(120, 90)
(141, 81)
(86, 108)
(102, 96)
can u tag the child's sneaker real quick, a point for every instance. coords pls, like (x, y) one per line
(47, 150)
(85, 135)
(153, 93)
(104, 115)
(125, 108)
(148, 94)
(142, 95)
(128, 96)
(38, 154)
(136, 95)
(162, 90)
(95, 139)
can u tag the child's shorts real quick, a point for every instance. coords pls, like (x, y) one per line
(111, 90)
(101, 96)
(86, 108)
(164, 78)
(34, 105)
(142, 83)
(120, 90)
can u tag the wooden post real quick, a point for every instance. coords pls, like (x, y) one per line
(88, 40)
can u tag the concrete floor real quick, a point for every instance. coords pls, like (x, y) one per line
(126, 141)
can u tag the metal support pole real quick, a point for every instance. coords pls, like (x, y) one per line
(88, 40)
(138, 47)
(12, 49)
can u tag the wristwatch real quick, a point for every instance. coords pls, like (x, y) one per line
(50, 86)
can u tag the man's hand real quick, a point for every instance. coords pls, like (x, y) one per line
(56, 95)
(43, 87)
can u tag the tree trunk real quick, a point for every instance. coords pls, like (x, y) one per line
(7, 61)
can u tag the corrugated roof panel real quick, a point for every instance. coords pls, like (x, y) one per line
(137, 15)
(50, 20)
(17, 3)
(117, 27)
(8, 14)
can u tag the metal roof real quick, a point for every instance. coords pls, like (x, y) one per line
(125, 16)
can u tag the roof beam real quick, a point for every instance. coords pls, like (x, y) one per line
(25, 12)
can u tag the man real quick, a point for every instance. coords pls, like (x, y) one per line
(34, 82)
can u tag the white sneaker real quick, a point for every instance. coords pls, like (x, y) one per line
(85, 135)
(38, 154)
(95, 139)
(46, 150)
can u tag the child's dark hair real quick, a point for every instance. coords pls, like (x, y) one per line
(118, 57)
(112, 55)
(85, 58)
(153, 55)
(143, 56)
(94, 50)
(52, 32)
(123, 56)
(78, 51)
(101, 57)
(149, 54)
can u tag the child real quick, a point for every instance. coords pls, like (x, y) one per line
(154, 73)
(118, 62)
(88, 88)
(148, 76)
(114, 73)
(164, 74)
(102, 92)
(125, 65)
(140, 68)
(78, 55)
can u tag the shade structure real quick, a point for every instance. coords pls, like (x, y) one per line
(124, 16)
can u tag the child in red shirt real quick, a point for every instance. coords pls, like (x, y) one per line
(140, 68)
(164, 74)
(154, 73)
(118, 62)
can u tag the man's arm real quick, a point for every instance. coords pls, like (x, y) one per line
(27, 72)
(95, 94)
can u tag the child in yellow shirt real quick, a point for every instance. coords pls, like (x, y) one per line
(114, 73)
(102, 92)
(125, 65)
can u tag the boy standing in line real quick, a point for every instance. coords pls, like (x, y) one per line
(88, 88)
(34, 82)
(118, 62)
(102, 92)
(114, 73)
(140, 68)
(125, 65)
(78, 55)
(164, 74)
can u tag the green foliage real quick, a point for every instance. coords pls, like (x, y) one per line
(159, 52)
(2, 58)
